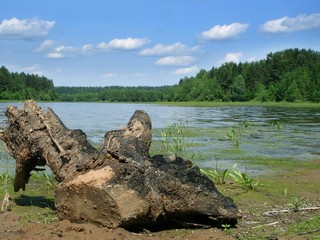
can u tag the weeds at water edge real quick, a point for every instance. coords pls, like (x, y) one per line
(175, 140)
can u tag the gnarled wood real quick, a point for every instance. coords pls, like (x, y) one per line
(116, 185)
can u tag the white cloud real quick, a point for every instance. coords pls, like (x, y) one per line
(61, 52)
(70, 51)
(31, 68)
(55, 55)
(160, 49)
(184, 71)
(110, 75)
(45, 45)
(87, 48)
(176, 60)
(233, 57)
(123, 44)
(224, 32)
(25, 28)
(286, 24)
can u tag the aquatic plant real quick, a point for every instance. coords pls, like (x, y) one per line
(175, 140)
(278, 125)
(234, 134)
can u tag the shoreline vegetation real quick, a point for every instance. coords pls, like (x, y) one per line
(207, 104)
(291, 75)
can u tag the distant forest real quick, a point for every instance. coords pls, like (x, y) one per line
(22, 86)
(290, 75)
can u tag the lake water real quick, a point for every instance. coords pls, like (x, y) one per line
(299, 137)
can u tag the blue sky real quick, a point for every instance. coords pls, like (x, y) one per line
(147, 42)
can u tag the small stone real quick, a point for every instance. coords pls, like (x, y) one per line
(59, 234)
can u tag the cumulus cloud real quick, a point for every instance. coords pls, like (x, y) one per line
(224, 32)
(58, 52)
(233, 57)
(33, 69)
(176, 60)
(160, 49)
(55, 55)
(87, 48)
(45, 45)
(70, 51)
(286, 24)
(25, 28)
(188, 70)
(61, 52)
(123, 44)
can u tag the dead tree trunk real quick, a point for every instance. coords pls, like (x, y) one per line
(117, 185)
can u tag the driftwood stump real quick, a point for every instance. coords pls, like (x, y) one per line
(116, 185)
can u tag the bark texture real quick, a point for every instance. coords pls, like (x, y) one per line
(116, 185)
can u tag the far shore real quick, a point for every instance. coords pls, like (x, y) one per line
(207, 104)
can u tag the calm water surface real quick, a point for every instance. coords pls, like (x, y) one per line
(300, 138)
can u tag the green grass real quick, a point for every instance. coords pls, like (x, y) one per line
(283, 191)
(36, 204)
(309, 226)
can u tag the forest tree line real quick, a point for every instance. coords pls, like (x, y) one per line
(22, 86)
(290, 75)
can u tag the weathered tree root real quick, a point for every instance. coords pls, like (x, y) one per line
(117, 185)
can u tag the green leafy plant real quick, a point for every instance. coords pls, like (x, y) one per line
(5, 180)
(47, 180)
(278, 125)
(295, 204)
(225, 226)
(244, 180)
(175, 141)
(50, 182)
(218, 177)
(234, 134)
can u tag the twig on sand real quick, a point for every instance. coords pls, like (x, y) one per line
(265, 225)
(309, 232)
(291, 210)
